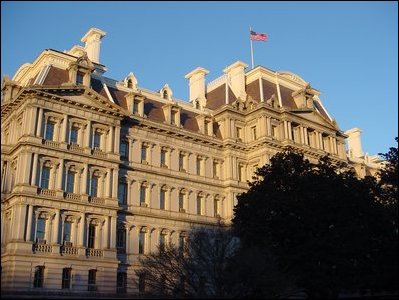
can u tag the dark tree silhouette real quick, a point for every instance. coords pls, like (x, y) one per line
(320, 221)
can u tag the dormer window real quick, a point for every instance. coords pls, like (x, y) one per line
(79, 78)
(165, 94)
(135, 107)
(173, 118)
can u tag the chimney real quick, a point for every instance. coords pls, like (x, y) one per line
(196, 81)
(354, 142)
(92, 40)
(236, 77)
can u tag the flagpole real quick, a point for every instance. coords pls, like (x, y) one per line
(252, 49)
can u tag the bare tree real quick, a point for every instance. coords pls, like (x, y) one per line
(198, 270)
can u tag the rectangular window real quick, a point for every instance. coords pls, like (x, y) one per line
(67, 232)
(274, 132)
(181, 201)
(143, 195)
(141, 242)
(79, 78)
(253, 131)
(199, 205)
(215, 169)
(121, 282)
(40, 229)
(70, 182)
(94, 186)
(143, 153)
(206, 124)
(173, 118)
(66, 278)
(96, 140)
(181, 243)
(92, 280)
(44, 184)
(74, 135)
(240, 172)
(239, 133)
(161, 242)
(92, 236)
(198, 166)
(163, 158)
(135, 107)
(38, 277)
(122, 193)
(216, 207)
(181, 161)
(49, 131)
(162, 199)
(123, 149)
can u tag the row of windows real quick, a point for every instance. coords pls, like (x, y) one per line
(66, 280)
(38, 279)
(182, 199)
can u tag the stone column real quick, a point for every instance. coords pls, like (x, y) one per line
(87, 142)
(115, 183)
(117, 138)
(81, 230)
(34, 169)
(64, 129)
(60, 172)
(110, 139)
(39, 123)
(106, 232)
(56, 224)
(112, 233)
(83, 182)
(29, 223)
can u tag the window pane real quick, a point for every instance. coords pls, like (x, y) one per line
(66, 278)
(49, 131)
(67, 231)
(94, 186)
(199, 206)
(74, 135)
(97, 139)
(38, 277)
(70, 182)
(162, 242)
(162, 200)
(41, 228)
(122, 193)
(143, 153)
(92, 280)
(92, 234)
(142, 194)
(141, 242)
(123, 150)
(181, 200)
(45, 178)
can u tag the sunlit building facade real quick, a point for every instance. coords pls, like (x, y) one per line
(96, 172)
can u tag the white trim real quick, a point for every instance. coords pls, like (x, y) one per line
(108, 93)
(42, 75)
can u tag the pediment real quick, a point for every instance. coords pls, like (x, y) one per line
(315, 117)
(85, 98)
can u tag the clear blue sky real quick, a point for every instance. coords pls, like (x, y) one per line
(346, 50)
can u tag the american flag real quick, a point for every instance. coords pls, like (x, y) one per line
(258, 36)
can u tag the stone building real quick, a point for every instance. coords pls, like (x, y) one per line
(96, 172)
